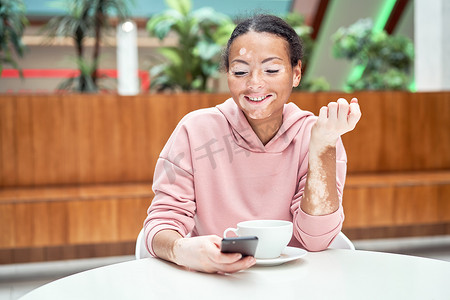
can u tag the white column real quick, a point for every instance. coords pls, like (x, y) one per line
(127, 59)
(432, 45)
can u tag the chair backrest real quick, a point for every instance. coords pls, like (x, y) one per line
(341, 241)
(141, 250)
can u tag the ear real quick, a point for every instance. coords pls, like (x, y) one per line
(297, 74)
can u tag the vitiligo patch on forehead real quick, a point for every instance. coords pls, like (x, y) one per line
(242, 51)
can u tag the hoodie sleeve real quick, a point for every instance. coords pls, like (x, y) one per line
(316, 233)
(173, 206)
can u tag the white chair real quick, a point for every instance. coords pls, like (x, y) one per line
(141, 250)
(341, 241)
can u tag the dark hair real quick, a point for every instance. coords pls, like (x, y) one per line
(269, 24)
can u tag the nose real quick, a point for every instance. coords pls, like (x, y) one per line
(255, 81)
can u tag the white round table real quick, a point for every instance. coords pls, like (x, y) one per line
(331, 274)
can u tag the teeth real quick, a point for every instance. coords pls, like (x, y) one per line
(258, 98)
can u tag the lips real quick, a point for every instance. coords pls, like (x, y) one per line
(257, 98)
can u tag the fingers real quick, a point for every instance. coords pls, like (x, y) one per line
(338, 110)
(355, 113)
(227, 262)
(323, 114)
(216, 256)
(237, 266)
(226, 258)
(332, 111)
(203, 254)
(335, 119)
(343, 109)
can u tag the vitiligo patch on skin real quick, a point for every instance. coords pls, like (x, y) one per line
(318, 190)
(242, 51)
(319, 184)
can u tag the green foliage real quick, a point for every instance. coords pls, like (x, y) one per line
(85, 18)
(12, 26)
(386, 59)
(82, 82)
(303, 31)
(317, 84)
(201, 34)
(297, 22)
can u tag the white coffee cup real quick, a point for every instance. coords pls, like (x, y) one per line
(273, 235)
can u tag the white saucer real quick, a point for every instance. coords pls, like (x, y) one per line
(288, 254)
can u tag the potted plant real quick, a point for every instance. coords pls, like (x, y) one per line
(12, 26)
(201, 35)
(85, 18)
(385, 60)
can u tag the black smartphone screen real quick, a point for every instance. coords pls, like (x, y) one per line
(246, 245)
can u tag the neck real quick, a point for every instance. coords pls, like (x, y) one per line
(267, 128)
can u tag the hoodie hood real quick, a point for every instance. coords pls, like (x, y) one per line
(245, 137)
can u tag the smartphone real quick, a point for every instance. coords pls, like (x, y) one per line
(246, 245)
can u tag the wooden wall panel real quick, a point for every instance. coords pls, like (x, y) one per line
(366, 207)
(64, 160)
(7, 143)
(57, 223)
(398, 131)
(83, 138)
(23, 141)
(23, 224)
(131, 217)
(48, 147)
(54, 217)
(80, 139)
(397, 205)
(7, 236)
(58, 229)
(94, 220)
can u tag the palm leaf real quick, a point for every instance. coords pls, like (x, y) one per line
(12, 25)
(172, 54)
(207, 49)
(84, 18)
(182, 6)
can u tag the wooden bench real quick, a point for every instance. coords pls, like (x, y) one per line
(76, 170)
(48, 223)
(397, 205)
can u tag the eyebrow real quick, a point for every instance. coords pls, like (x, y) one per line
(264, 61)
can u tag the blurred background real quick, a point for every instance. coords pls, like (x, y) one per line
(91, 90)
(338, 37)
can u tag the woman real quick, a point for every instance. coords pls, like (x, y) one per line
(251, 157)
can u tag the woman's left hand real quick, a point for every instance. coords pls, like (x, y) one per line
(334, 120)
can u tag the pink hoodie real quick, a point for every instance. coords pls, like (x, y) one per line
(214, 172)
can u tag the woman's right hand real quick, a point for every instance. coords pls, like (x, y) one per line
(203, 254)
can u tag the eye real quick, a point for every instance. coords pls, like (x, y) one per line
(272, 71)
(239, 73)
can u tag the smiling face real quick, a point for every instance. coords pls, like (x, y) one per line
(260, 75)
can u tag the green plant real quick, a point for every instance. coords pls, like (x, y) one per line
(85, 18)
(201, 34)
(385, 60)
(12, 26)
(303, 31)
(316, 84)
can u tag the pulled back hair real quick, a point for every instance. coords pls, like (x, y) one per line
(269, 24)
